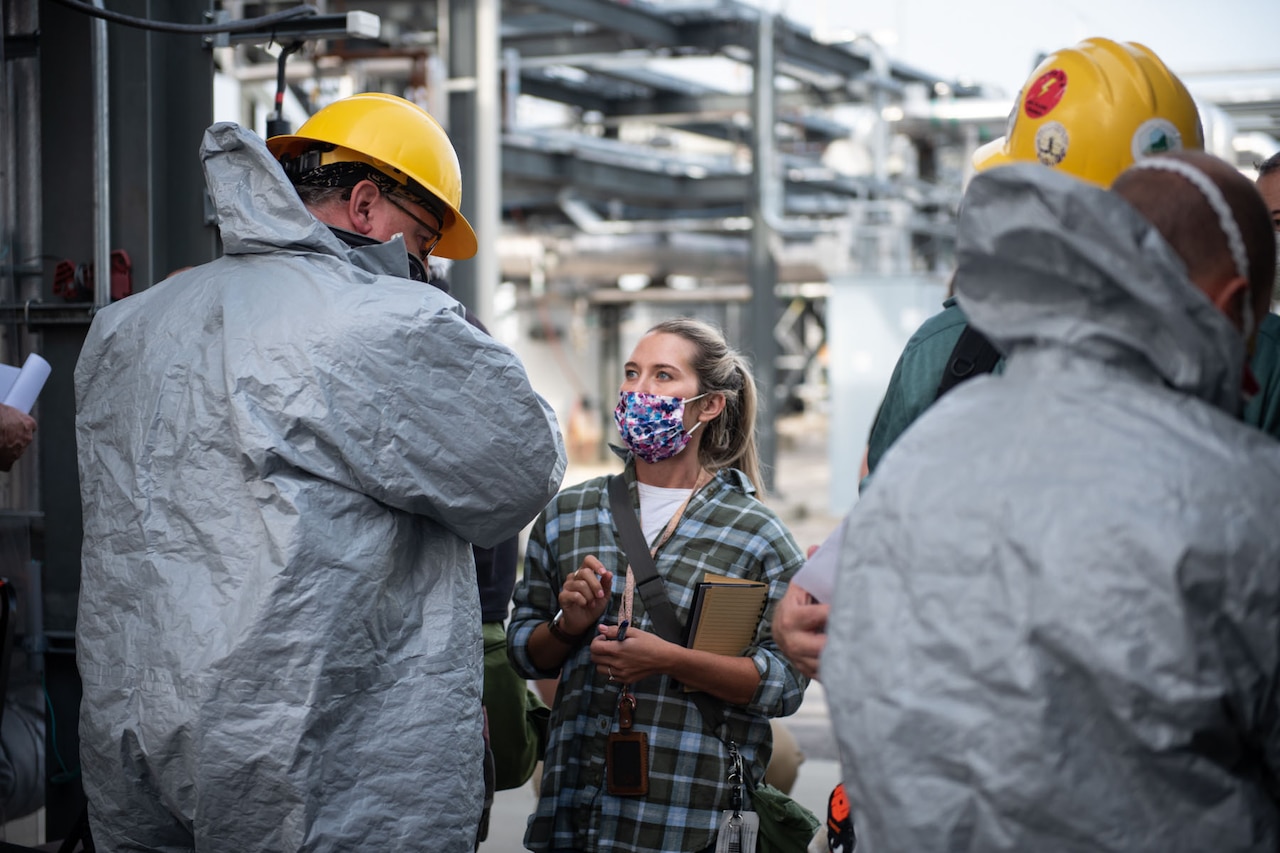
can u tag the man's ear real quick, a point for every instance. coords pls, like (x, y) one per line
(1233, 299)
(364, 196)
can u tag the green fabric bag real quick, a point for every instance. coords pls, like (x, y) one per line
(517, 716)
(785, 825)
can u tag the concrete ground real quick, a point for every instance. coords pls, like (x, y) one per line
(800, 498)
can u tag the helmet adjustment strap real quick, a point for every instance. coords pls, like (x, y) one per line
(297, 167)
(308, 168)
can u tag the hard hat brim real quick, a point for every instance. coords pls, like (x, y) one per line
(994, 153)
(458, 242)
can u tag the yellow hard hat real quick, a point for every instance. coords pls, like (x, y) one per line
(399, 139)
(1093, 109)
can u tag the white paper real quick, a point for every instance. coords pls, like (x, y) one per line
(818, 575)
(19, 388)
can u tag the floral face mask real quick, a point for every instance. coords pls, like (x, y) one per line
(652, 425)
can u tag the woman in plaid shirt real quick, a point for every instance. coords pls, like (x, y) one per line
(686, 414)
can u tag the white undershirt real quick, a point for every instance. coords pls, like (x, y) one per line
(657, 505)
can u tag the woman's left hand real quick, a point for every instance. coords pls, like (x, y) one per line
(639, 655)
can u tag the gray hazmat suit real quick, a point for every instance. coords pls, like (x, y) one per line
(1058, 601)
(284, 456)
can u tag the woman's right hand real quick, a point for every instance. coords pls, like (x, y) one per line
(585, 596)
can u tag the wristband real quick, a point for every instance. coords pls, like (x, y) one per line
(560, 634)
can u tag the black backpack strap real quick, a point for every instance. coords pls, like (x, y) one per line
(973, 355)
(653, 592)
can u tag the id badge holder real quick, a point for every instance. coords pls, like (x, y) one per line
(738, 832)
(626, 758)
(738, 829)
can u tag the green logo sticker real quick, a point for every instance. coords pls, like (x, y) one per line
(1155, 136)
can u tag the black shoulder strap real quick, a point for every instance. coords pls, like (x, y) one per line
(973, 355)
(649, 583)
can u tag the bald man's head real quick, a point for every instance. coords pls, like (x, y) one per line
(1183, 214)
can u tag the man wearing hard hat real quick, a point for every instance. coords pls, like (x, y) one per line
(1054, 621)
(285, 455)
(1090, 111)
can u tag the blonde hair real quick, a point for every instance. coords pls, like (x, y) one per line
(728, 441)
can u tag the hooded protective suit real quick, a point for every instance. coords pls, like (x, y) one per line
(1058, 602)
(284, 455)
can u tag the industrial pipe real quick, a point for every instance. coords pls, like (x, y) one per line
(101, 164)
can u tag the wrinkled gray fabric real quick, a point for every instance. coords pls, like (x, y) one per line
(284, 455)
(1057, 607)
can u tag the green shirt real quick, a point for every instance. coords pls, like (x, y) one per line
(1263, 410)
(914, 384)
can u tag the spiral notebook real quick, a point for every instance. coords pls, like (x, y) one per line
(725, 614)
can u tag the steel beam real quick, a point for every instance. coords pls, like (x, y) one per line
(540, 87)
(636, 20)
(534, 46)
(617, 179)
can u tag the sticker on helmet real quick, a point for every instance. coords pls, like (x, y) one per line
(1051, 143)
(1043, 95)
(1155, 136)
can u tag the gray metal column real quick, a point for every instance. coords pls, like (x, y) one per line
(475, 110)
(160, 102)
(24, 228)
(762, 265)
(21, 521)
(64, 178)
(100, 53)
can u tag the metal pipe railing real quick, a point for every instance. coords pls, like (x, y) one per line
(101, 163)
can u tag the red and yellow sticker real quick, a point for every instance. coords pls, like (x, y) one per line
(1043, 95)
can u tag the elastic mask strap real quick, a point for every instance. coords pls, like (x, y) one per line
(689, 400)
(1213, 195)
(351, 238)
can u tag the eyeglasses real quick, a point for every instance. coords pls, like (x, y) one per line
(432, 241)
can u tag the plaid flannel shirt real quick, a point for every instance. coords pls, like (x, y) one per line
(724, 530)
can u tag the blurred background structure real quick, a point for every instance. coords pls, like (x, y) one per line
(622, 161)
